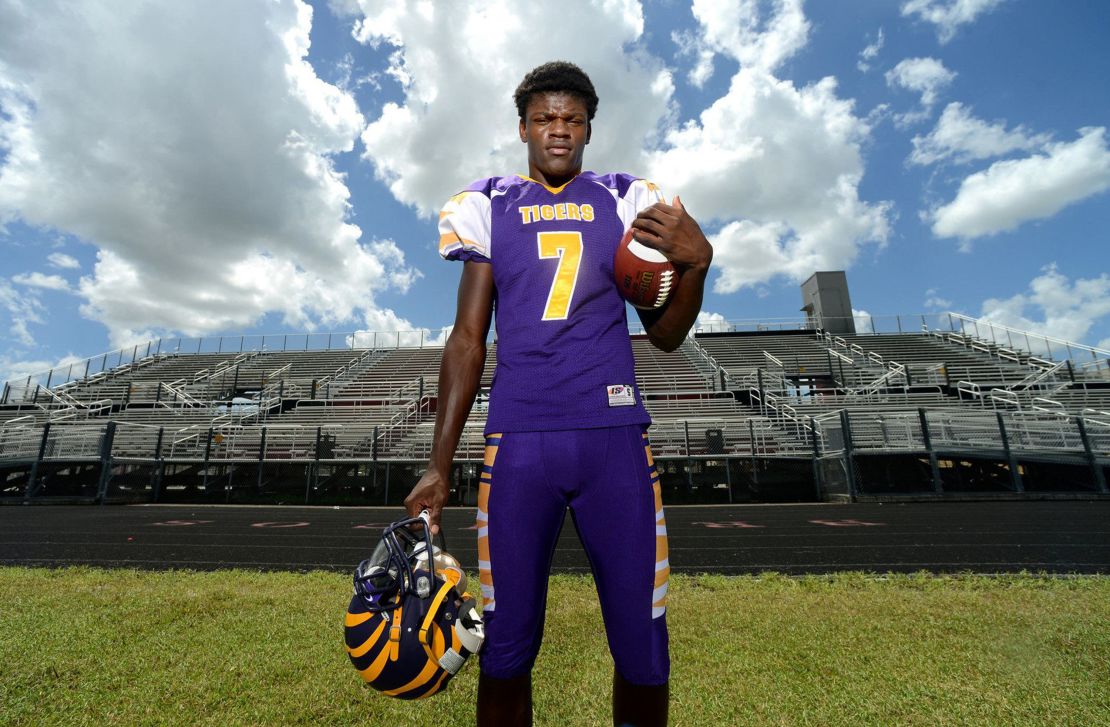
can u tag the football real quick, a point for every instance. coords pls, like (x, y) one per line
(645, 277)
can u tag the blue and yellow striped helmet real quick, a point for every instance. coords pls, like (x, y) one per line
(411, 624)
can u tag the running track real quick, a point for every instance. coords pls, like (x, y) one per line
(942, 537)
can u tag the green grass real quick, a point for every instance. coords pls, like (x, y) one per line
(85, 646)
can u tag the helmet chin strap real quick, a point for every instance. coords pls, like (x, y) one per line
(471, 633)
(468, 628)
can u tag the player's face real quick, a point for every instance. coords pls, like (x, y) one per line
(556, 130)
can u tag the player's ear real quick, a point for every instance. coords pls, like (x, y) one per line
(523, 132)
(589, 130)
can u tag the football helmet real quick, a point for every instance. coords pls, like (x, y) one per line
(411, 624)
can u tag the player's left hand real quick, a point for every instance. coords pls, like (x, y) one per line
(669, 229)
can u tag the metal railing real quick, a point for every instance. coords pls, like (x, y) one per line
(128, 358)
(1034, 343)
(702, 360)
(840, 443)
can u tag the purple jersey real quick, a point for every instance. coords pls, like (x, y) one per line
(564, 358)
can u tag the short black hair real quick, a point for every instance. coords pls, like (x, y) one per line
(556, 77)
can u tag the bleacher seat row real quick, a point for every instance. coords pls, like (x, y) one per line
(719, 394)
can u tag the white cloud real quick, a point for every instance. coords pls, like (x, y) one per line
(23, 308)
(1053, 305)
(63, 261)
(1010, 193)
(961, 138)
(948, 16)
(192, 144)
(385, 329)
(869, 53)
(39, 280)
(690, 45)
(863, 320)
(16, 371)
(793, 159)
(934, 301)
(709, 321)
(741, 31)
(792, 155)
(457, 121)
(926, 76)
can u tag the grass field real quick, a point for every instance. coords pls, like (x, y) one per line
(86, 646)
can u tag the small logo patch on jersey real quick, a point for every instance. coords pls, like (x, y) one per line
(621, 395)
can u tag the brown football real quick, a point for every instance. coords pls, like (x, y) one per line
(645, 277)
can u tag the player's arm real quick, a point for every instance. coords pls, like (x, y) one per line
(672, 231)
(460, 373)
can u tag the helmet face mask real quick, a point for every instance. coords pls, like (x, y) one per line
(388, 572)
(411, 624)
(378, 587)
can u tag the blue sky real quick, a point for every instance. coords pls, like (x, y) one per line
(259, 167)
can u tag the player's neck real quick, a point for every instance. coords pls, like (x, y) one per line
(554, 181)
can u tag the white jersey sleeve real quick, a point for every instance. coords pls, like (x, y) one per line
(639, 195)
(464, 227)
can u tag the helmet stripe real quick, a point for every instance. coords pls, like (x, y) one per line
(354, 619)
(426, 675)
(369, 643)
(436, 687)
(372, 672)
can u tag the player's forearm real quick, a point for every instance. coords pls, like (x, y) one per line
(669, 329)
(460, 374)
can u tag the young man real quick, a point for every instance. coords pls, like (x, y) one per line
(566, 425)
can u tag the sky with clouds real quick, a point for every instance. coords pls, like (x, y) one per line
(262, 166)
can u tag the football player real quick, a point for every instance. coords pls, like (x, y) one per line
(566, 425)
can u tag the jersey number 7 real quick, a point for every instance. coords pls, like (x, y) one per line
(567, 247)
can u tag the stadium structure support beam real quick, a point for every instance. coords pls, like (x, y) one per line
(849, 465)
(207, 456)
(1096, 468)
(33, 480)
(728, 479)
(313, 470)
(689, 462)
(1011, 460)
(755, 465)
(816, 458)
(161, 464)
(105, 462)
(938, 485)
(261, 457)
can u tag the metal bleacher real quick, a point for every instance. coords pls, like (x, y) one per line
(803, 394)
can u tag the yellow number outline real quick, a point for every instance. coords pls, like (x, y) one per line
(567, 247)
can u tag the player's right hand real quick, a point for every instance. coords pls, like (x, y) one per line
(671, 230)
(430, 494)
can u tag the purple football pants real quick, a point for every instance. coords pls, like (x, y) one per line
(607, 477)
